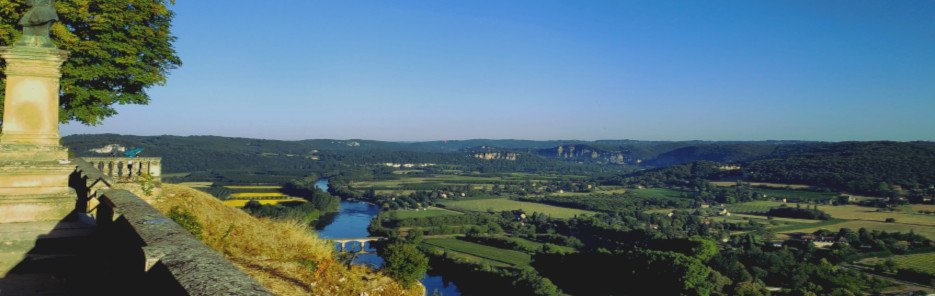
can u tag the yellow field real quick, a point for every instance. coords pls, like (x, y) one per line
(257, 194)
(254, 187)
(196, 184)
(242, 202)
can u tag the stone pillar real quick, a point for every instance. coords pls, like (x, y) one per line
(34, 167)
(30, 113)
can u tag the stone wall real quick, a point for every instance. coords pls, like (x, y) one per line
(143, 252)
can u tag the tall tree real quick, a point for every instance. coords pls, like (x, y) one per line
(405, 263)
(119, 49)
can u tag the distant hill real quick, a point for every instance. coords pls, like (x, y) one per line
(852, 166)
(863, 167)
(726, 153)
(267, 160)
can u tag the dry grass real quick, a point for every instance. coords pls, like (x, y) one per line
(279, 254)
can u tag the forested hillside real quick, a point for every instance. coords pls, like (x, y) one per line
(860, 167)
(863, 167)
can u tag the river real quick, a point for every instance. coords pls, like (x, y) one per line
(352, 222)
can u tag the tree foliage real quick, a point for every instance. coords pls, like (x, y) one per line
(118, 49)
(405, 263)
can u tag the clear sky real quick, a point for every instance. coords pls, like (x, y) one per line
(539, 69)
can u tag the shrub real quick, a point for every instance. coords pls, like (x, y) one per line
(187, 220)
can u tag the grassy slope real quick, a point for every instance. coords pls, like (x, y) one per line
(273, 252)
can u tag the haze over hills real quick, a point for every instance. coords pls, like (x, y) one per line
(856, 166)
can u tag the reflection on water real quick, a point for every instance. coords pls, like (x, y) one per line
(352, 222)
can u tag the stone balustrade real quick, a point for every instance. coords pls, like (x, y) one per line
(126, 169)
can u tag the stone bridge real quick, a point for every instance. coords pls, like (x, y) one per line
(344, 244)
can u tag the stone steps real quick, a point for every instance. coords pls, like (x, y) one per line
(44, 258)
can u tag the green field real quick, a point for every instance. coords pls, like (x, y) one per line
(502, 204)
(765, 219)
(531, 245)
(795, 194)
(848, 216)
(657, 193)
(761, 184)
(429, 212)
(853, 212)
(926, 231)
(753, 207)
(599, 190)
(510, 257)
(924, 262)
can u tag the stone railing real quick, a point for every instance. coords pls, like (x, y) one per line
(126, 169)
(143, 252)
(87, 181)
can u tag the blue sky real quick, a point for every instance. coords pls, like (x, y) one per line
(651, 70)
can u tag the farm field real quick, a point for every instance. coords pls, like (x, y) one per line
(197, 184)
(778, 219)
(927, 231)
(531, 245)
(795, 194)
(853, 212)
(429, 212)
(849, 216)
(600, 190)
(763, 184)
(753, 207)
(254, 187)
(916, 208)
(242, 202)
(502, 204)
(924, 262)
(265, 194)
(657, 193)
(390, 192)
(510, 257)
(252, 195)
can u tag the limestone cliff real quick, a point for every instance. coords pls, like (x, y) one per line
(585, 153)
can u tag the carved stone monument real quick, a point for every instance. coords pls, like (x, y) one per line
(34, 166)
